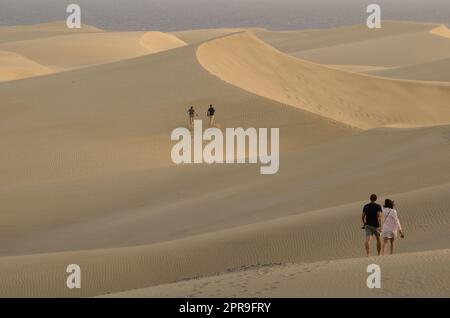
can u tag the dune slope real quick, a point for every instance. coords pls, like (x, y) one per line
(441, 31)
(87, 178)
(86, 49)
(393, 51)
(294, 42)
(284, 240)
(360, 101)
(44, 30)
(399, 49)
(401, 276)
(13, 66)
(434, 71)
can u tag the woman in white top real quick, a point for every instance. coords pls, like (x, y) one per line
(391, 225)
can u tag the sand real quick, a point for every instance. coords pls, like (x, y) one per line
(44, 30)
(398, 50)
(16, 66)
(441, 31)
(87, 176)
(341, 278)
(81, 49)
(437, 71)
(359, 101)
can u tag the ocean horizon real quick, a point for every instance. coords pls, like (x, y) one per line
(173, 15)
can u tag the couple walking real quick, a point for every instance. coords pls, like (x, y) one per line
(192, 113)
(381, 222)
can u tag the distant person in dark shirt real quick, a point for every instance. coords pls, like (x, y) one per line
(211, 113)
(192, 113)
(371, 218)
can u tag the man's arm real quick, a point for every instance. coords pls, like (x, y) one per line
(363, 218)
(380, 218)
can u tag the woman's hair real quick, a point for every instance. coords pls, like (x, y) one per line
(388, 203)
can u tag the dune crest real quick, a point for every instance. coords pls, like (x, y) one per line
(361, 101)
(14, 66)
(441, 31)
(76, 50)
(157, 41)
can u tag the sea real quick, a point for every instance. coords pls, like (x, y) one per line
(173, 15)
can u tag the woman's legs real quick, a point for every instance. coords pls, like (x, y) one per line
(383, 249)
(392, 245)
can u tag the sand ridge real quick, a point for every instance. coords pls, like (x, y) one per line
(404, 49)
(87, 176)
(285, 240)
(441, 31)
(341, 278)
(75, 50)
(15, 66)
(43, 30)
(356, 100)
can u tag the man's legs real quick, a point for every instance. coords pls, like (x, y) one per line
(191, 120)
(378, 244)
(211, 121)
(368, 240)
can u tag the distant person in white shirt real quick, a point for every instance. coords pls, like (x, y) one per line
(391, 225)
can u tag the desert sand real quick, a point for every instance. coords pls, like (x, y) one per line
(87, 177)
(78, 49)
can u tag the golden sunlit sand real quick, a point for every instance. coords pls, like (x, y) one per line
(87, 176)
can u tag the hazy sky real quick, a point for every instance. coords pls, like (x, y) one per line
(167, 15)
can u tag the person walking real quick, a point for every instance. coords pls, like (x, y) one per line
(371, 218)
(391, 226)
(192, 114)
(211, 114)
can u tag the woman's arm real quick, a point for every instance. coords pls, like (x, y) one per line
(399, 226)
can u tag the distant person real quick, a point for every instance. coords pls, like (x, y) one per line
(192, 114)
(371, 218)
(391, 225)
(211, 113)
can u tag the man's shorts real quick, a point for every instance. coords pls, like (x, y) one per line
(372, 231)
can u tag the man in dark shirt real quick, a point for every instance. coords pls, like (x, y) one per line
(191, 113)
(371, 218)
(211, 113)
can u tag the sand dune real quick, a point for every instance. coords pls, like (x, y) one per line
(80, 50)
(87, 176)
(133, 209)
(14, 66)
(198, 36)
(407, 275)
(434, 71)
(294, 42)
(44, 30)
(396, 45)
(359, 68)
(165, 204)
(394, 51)
(156, 42)
(283, 240)
(441, 31)
(116, 117)
(360, 101)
